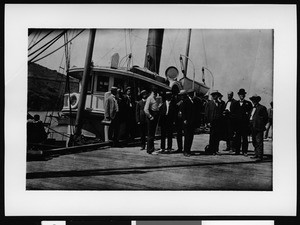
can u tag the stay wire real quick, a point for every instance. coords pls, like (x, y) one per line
(204, 48)
(34, 36)
(40, 40)
(57, 48)
(48, 43)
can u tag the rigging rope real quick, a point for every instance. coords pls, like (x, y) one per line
(125, 42)
(255, 62)
(40, 40)
(48, 43)
(67, 85)
(130, 45)
(204, 48)
(172, 49)
(111, 49)
(34, 36)
(57, 48)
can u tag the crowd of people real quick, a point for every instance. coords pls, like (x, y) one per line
(232, 121)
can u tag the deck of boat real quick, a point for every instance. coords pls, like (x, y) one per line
(132, 169)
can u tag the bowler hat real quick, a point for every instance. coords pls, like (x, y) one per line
(255, 97)
(215, 92)
(242, 91)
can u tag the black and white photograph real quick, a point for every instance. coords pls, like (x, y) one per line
(150, 109)
(110, 108)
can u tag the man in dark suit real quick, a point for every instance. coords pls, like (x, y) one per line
(141, 118)
(213, 114)
(166, 121)
(228, 119)
(258, 122)
(112, 114)
(130, 114)
(188, 117)
(241, 113)
(179, 123)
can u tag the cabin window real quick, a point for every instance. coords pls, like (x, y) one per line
(102, 84)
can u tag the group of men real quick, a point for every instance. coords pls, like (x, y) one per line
(232, 121)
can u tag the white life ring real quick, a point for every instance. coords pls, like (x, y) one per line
(74, 100)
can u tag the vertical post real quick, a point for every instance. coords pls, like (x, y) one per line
(84, 83)
(187, 51)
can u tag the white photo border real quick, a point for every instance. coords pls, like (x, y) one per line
(279, 202)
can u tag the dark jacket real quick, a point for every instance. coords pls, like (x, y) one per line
(241, 113)
(227, 113)
(172, 110)
(260, 118)
(140, 114)
(188, 111)
(214, 112)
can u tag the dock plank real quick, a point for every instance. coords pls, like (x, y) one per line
(132, 169)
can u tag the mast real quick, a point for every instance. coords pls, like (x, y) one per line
(187, 51)
(84, 82)
(153, 50)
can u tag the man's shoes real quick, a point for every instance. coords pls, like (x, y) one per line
(226, 150)
(168, 151)
(186, 154)
(245, 154)
(254, 157)
(162, 151)
(150, 151)
(142, 148)
(178, 151)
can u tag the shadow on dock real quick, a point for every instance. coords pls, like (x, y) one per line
(130, 170)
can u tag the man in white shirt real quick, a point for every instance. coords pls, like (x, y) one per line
(229, 130)
(152, 113)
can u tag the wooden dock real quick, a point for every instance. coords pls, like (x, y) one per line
(129, 168)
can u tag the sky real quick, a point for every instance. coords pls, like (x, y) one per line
(241, 58)
(237, 58)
